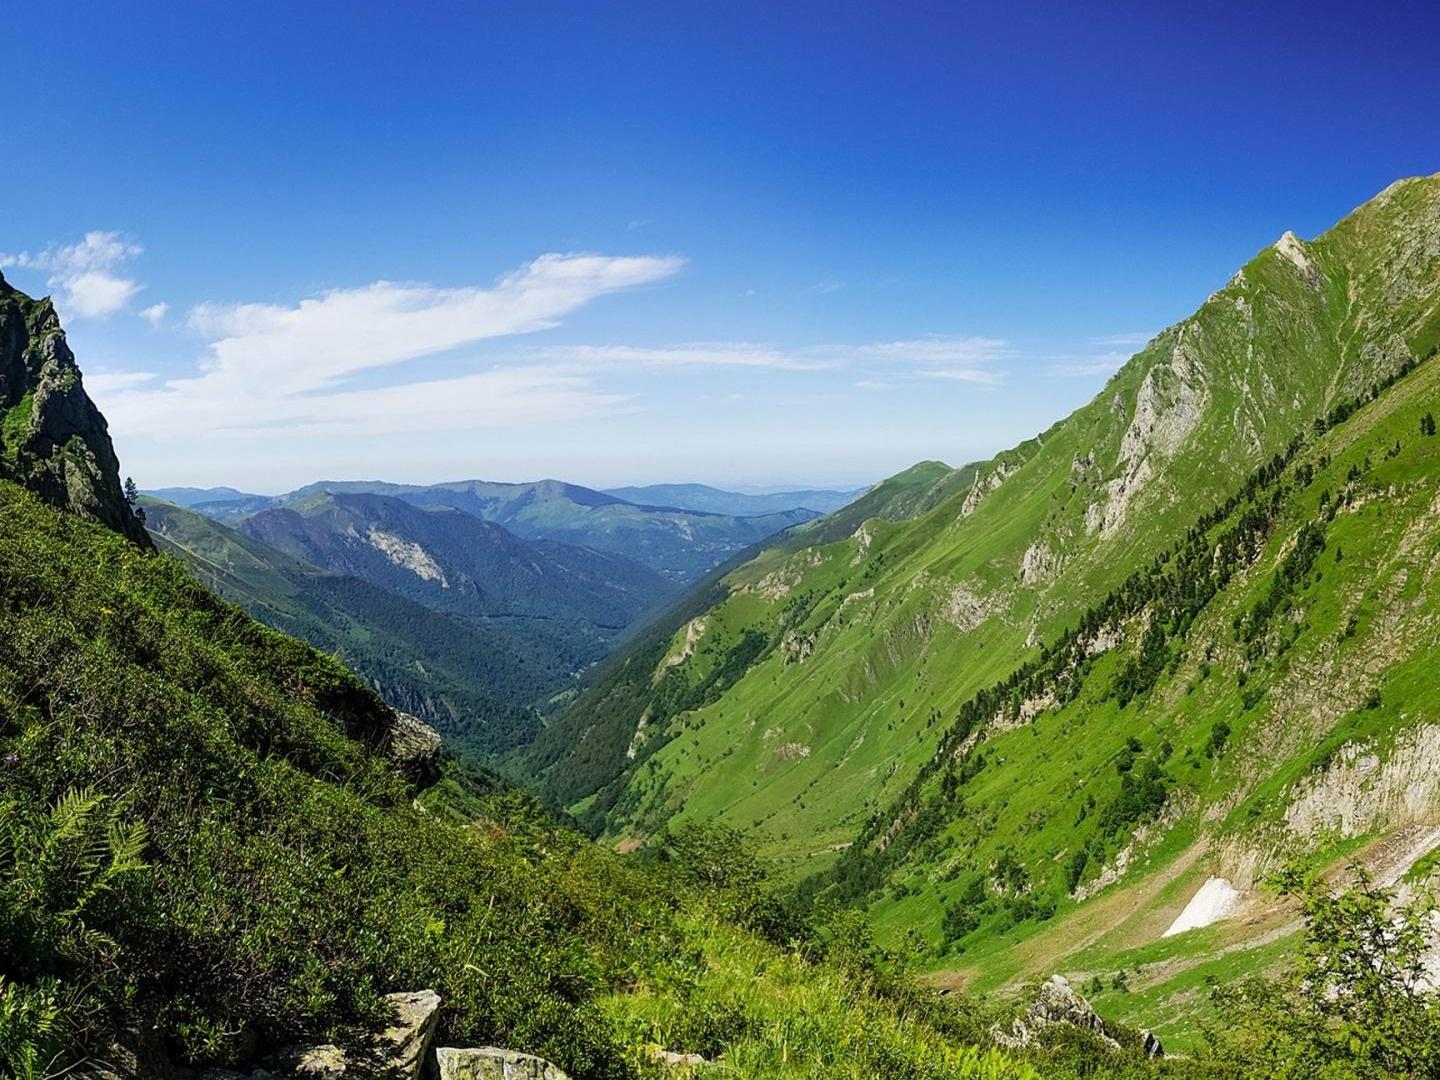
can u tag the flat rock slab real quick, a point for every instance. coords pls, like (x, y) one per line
(493, 1063)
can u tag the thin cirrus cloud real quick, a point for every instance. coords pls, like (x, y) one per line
(274, 366)
(1136, 337)
(967, 359)
(86, 275)
(699, 354)
(978, 376)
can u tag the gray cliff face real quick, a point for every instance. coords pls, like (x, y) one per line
(53, 439)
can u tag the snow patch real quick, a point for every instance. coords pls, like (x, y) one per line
(1212, 902)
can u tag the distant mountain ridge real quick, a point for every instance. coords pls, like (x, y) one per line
(681, 544)
(192, 496)
(714, 500)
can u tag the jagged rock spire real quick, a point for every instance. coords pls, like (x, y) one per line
(53, 439)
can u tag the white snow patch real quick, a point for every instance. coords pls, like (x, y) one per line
(1212, 902)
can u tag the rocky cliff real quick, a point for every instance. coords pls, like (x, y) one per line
(52, 438)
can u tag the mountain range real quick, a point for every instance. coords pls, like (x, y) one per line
(736, 504)
(683, 543)
(445, 611)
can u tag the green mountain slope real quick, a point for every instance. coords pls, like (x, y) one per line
(1262, 693)
(204, 854)
(810, 698)
(207, 850)
(682, 545)
(476, 683)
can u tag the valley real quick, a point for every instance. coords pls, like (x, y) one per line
(1125, 709)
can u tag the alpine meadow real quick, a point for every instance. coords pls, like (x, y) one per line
(793, 633)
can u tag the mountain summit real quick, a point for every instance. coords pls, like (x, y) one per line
(52, 438)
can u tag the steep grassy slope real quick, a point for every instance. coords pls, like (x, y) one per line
(809, 698)
(203, 855)
(682, 545)
(475, 682)
(1263, 693)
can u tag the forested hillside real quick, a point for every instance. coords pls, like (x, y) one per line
(476, 682)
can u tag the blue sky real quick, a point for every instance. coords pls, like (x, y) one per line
(749, 244)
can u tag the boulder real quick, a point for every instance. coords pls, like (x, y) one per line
(1150, 1043)
(405, 1044)
(492, 1063)
(678, 1061)
(1056, 1002)
(397, 1053)
(312, 1061)
(414, 748)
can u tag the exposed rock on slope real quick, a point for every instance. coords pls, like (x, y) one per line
(52, 439)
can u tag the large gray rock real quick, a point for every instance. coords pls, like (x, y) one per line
(680, 1062)
(312, 1061)
(492, 1063)
(397, 1053)
(405, 1044)
(414, 747)
(1150, 1043)
(1056, 1002)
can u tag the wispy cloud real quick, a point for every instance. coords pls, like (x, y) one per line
(155, 313)
(978, 376)
(271, 367)
(1087, 366)
(109, 382)
(970, 351)
(1138, 337)
(86, 275)
(824, 287)
(874, 384)
(714, 354)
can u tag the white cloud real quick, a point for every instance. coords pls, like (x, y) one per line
(722, 354)
(1138, 337)
(155, 313)
(84, 274)
(271, 368)
(978, 376)
(1086, 366)
(110, 382)
(936, 350)
(874, 384)
(824, 287)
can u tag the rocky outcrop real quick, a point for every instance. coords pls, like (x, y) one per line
(1057, 1002)
(677, 1062)
(413, 746)
(405, 1044)
(53, 439)
(492, 1063)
